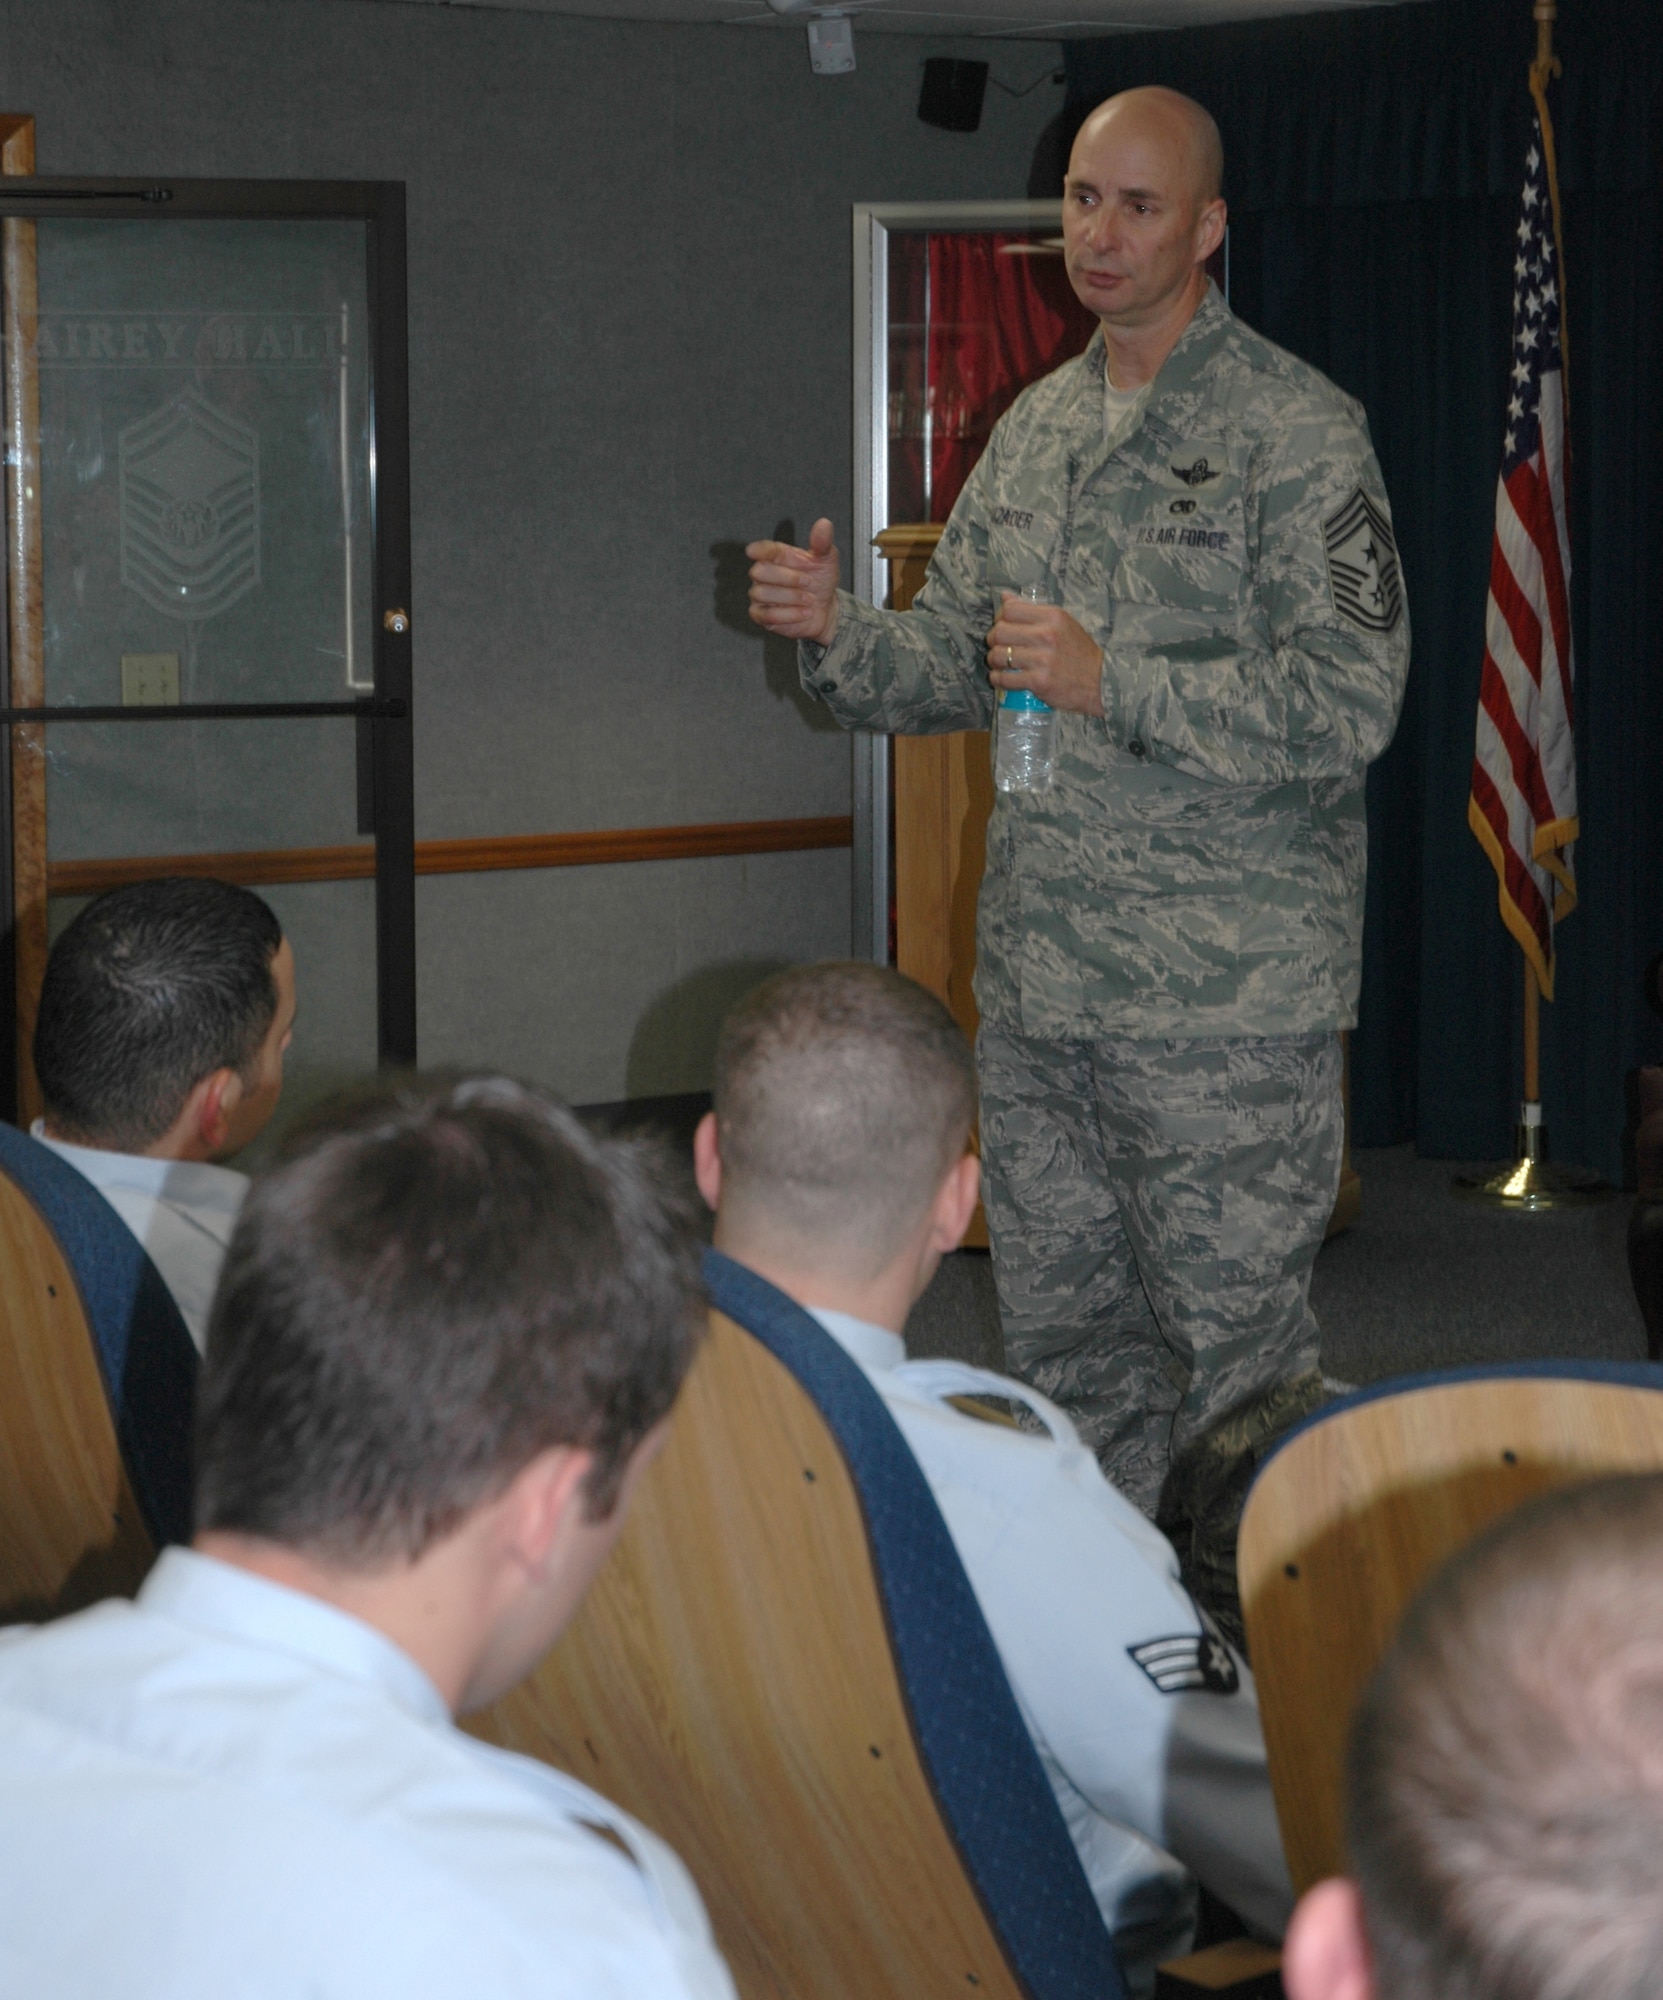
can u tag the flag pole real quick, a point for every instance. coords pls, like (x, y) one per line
(1547, 63)
(1530, 1145)
(1542, 71)
(1531, 1181)
(1532, 1035)
(1546, 12)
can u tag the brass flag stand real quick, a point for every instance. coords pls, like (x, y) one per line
(1530, 1180)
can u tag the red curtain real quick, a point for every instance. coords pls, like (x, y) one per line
(1000, 317)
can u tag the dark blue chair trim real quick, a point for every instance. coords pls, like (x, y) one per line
(145, 1354)
(994, 1796)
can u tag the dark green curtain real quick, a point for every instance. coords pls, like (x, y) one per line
(1373, 169)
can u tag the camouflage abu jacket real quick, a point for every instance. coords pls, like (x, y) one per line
(1197, 867)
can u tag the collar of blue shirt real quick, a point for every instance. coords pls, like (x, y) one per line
(874, 1347)
(198, 1185)
(210, 1596)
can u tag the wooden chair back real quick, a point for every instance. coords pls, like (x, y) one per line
(1356, 1510)
(730, 1682)
(70, 1527)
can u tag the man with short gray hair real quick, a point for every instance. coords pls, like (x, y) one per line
(1505, 1780)
(837, 1162)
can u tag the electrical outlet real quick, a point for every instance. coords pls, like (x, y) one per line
(150, 680)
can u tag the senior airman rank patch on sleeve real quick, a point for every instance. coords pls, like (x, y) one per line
(1193, 1662)
(1362, 565)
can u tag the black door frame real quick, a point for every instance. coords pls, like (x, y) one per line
(387, 713)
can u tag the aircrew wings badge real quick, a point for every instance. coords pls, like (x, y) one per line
(1363, 575)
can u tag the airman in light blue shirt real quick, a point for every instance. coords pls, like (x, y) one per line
(231, 1788)
(836, 1161)
(445, 1346)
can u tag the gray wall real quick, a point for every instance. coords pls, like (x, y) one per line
(630, 351)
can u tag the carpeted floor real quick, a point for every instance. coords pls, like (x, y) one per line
(1426, 1281)
(1421, 1281)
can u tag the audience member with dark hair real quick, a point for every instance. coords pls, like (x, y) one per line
(164, 1016)
(449, 1335)
(1505, 1782)
(836, 1160)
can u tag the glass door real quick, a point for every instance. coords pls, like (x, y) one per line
(208, 602)
(958, 306)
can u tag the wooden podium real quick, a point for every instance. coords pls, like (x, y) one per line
(943, 800)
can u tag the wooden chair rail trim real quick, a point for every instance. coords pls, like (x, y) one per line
(256, 867)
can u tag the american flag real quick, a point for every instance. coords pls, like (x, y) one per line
(1523, 803)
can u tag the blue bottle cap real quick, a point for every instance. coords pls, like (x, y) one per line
(1023, 698)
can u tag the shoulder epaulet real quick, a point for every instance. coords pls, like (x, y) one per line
(984, 1413)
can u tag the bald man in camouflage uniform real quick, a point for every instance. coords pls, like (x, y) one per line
(1170, 936)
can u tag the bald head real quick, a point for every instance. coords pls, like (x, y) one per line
(1169, 120)
(1141, 215)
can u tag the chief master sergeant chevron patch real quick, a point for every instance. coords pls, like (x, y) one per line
(1362, 565)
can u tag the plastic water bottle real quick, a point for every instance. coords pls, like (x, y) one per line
(1024, 753)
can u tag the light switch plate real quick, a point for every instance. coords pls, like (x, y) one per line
(150, 680)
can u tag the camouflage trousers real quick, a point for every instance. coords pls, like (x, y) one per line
(1154, 1210)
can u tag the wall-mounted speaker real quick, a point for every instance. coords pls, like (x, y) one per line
(952, 93)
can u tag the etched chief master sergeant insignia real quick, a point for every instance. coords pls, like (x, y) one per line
(190, 508)
(1362, 565)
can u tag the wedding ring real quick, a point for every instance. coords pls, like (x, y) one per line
(1010, 661)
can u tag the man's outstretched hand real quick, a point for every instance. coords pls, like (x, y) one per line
(794, 591)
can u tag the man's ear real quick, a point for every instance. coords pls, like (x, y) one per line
(543, 1497)
(955, 1203)
(707, 1161)
(205, 1118)
(1326, 1955)
(1209, 231)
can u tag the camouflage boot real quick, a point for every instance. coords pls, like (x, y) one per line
(1203, 1500)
